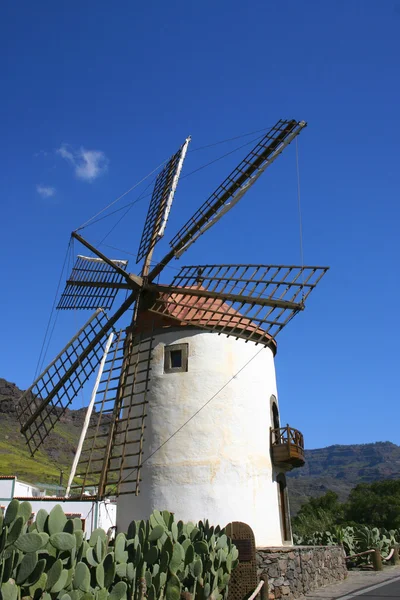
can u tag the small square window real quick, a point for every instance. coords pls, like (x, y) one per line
(176, 358)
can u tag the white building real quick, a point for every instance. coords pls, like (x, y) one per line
(213, 426)
(92, 512)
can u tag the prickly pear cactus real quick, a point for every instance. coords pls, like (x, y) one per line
(156, 559)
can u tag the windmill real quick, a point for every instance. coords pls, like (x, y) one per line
(249, 302)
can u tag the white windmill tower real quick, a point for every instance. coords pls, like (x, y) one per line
(187, 411)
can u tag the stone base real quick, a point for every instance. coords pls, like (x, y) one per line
(296, 570)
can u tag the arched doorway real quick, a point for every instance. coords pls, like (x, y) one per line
(275, 420)
(244, 578)
(275, 415)
(284, 510)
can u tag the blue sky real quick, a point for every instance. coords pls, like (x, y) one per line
(97, 94)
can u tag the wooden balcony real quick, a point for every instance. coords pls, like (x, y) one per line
(287, 448)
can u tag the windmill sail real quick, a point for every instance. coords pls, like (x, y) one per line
(253, 302)
(43, 404)
(161, 201)
(113, 449)
(233, 187)
(93, 284)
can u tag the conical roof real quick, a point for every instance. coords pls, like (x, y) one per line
(187, 310)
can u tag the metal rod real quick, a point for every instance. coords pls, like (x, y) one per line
(88, 414)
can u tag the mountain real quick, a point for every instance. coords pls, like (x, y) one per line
(340, 468)
(55, 455)
(337, 468)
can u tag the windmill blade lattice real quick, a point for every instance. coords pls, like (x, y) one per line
(43, 404)
(113, 448)
(102, 420)
(253, 302)
(255, 161)
(93, 284)
(160, 203)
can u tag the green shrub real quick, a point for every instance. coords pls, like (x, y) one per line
(51, 560)
(354, 539)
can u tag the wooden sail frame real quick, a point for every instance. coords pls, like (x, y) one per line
(93, 284)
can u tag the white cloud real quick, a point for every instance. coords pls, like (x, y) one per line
(65, 153)
(45, 191)
(88, 164)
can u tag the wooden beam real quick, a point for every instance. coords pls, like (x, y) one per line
(99, 284)
(129, 277)
(272, 302)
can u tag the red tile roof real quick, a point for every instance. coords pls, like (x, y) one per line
(179, 309)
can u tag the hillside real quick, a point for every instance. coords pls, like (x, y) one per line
(57, 453)
(337, 468)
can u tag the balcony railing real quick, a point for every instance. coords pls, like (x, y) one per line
(287, 447)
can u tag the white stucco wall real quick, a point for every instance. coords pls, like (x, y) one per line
(218, 466)
(107, 515)
(96, 514)
(25, 489)
(7, 486)
(11, 486)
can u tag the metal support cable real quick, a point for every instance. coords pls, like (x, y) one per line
(193, 415)
(126, 212)
(236, 137)
(223, 156)
(43, 350)
(122, 195)
(94, 220)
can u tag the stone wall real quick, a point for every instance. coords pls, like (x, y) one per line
(294, 571)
